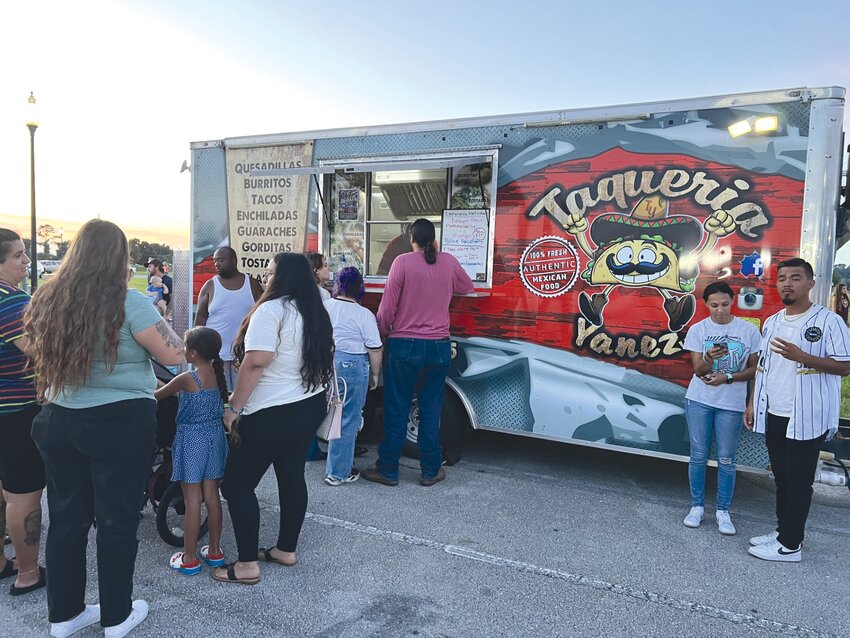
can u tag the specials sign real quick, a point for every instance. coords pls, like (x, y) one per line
(267, 215)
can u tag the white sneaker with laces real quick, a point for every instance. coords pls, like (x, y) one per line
(724, 523)
(694, 517)
(89, 616)
(137, 615)
(336, 482)
(764, 538)
(776, 551)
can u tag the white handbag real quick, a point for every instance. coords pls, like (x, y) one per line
(331, 426)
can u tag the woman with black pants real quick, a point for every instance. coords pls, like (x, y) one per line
(91, 341)
(285, 348)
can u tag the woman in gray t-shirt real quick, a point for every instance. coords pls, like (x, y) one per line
(724, 351)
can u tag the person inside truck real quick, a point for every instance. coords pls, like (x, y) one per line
(724, 351)
(805, 350)
(399, 245)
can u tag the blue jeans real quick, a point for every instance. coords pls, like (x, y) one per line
(352, 370)
(413, 365)
(703, 420)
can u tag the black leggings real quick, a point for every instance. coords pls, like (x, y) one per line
(278, 436)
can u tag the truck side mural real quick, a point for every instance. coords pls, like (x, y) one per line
(604, 235)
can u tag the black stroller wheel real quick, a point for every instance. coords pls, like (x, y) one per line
(170, 515)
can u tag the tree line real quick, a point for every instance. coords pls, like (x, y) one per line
(53, 245)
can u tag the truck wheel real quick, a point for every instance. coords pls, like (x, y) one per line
(170, 513)
(454, 428)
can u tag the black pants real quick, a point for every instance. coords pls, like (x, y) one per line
(794, 464)
(278, 436)
(97, 461)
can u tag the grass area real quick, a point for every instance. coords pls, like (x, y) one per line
(140, 281)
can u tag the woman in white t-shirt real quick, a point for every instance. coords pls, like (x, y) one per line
(357, 358)
(724, 352)
(285, 349)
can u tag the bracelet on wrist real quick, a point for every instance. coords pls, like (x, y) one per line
(234, 410)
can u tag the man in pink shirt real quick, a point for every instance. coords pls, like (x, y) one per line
(414, 315)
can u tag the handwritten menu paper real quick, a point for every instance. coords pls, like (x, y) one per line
(466, 235)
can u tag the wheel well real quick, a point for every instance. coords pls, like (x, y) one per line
(464, 401)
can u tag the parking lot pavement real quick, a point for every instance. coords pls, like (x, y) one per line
(525, 538)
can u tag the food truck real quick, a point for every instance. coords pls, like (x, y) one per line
(589, 234)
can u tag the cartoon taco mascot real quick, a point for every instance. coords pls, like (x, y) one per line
(647, 248)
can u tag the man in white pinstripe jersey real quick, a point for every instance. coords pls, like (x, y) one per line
(804, 353)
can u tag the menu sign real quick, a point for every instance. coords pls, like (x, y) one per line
(267, 215)
(466, 235)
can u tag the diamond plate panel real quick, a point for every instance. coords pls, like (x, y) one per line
(181, 306)
(209, 201)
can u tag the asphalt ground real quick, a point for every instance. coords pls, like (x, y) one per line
(524, 538)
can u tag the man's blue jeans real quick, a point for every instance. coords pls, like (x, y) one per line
(352, 371)
(703, 421)
(421, 365)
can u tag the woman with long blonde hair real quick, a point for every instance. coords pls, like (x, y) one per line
(91, 341)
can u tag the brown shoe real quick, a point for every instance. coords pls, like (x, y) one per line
(428, 482)
(373, 475)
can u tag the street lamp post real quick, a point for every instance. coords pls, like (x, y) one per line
(32, 126)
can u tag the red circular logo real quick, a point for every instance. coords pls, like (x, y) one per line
(549, 266)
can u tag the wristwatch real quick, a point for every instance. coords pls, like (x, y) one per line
(729, 378)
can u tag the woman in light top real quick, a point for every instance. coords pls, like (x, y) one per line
(321, 272)
(357, 359)
(285, 349)
(91, 344)
(724, 351)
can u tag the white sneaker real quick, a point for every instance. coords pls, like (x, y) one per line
(764, 539)
(694, 517)
(89, 616)
(139, 613)
(724, 523)
(776, 551)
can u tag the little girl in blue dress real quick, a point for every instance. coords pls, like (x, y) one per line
(199, 451)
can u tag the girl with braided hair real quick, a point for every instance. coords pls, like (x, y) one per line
(199, 451)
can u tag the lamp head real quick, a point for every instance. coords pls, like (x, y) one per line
(32, 112)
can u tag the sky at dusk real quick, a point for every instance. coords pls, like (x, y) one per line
(124, 87)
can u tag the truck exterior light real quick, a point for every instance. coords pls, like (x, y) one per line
(740, 128)
(766, 124)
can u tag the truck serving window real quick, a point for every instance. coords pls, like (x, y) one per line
(372, 211)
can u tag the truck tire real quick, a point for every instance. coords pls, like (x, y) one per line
(169, 516)
(454, 428)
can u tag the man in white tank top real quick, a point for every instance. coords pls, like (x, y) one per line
(224, 301)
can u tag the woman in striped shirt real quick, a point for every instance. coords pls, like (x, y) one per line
(21, 467)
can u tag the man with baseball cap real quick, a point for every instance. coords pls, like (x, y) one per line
(155, 268)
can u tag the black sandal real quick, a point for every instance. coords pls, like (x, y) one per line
(231, 577)
(8, 570)
(266, 556)
(20, 591)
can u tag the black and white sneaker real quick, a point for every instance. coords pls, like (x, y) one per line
(776, 551)
(336, 482)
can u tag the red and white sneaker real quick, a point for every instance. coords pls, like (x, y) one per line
(213, 560)
(189, 569)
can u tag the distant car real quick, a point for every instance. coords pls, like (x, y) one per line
(39, 268)
(51, 265)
